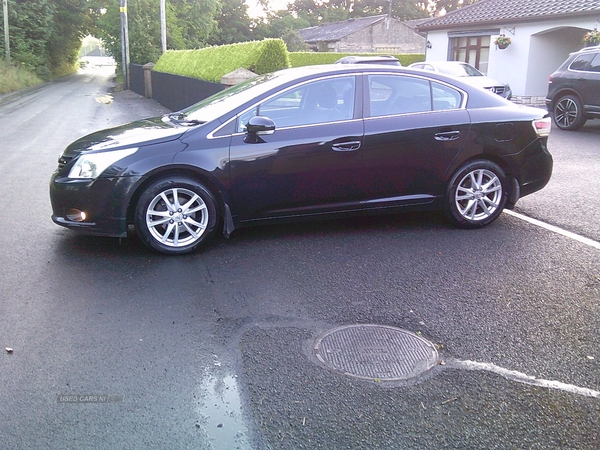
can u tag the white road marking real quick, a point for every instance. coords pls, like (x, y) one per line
(521, 377)
(555, 229)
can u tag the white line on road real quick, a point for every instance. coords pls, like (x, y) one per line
(521, 377)
(555, 229)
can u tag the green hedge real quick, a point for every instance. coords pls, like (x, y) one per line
(212, 63)
(260, 57)
(299, 59)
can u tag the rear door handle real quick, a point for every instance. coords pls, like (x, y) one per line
(447, 136)
(346, 146)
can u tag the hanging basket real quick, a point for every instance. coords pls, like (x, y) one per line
(591, 38)
(502, 42)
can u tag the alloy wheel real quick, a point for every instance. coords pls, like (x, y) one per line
(478, 195)
(177, 217)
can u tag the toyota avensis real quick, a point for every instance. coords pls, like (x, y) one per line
(308, 142)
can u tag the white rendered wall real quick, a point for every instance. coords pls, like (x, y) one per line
(537, 50)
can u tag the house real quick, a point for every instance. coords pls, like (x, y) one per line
(542, 33)
(97, 57)
(375, 34)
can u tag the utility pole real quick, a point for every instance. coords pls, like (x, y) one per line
(6, 36)
(163, 25)
(125, 43)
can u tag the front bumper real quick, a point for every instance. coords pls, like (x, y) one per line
(103, 201)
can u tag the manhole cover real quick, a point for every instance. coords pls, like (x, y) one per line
(375, 352)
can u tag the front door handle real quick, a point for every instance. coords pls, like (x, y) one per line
(346, 146)
(447, 136)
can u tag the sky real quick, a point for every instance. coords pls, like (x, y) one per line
(254, 10)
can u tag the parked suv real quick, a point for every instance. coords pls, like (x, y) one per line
(574, 89)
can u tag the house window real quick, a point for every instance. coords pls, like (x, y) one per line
(474, 50)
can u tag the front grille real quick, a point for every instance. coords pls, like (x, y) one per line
(497, 89)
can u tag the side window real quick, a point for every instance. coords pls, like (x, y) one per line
(582, 62)
(321, 101)
(595, 64)
(445, 97)
(244, 118)
(397, 94)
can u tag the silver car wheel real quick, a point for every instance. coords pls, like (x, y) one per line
(177, 217)
(566, 112)
(478, 195)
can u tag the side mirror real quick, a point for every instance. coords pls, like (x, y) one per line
(258, 125)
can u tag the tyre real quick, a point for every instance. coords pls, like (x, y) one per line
(476, 194)
(568, 113)
(175, 215)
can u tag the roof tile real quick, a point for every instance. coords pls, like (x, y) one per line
(338, 30)
(491, 11)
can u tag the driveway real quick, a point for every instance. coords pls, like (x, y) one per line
(113, 346)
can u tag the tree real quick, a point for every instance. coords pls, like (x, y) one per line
(71, 22)
(450, 5)
(233, 23)
(189, 24)
(30, 28)
(401, 10)
(327, 11)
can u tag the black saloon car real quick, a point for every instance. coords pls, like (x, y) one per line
(574, 89)
(308, 142)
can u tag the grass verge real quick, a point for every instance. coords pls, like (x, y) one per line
(13, 78)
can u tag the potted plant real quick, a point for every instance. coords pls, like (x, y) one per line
(502, 41)
(591, 38)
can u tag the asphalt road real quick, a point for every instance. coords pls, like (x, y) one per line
(114, 346)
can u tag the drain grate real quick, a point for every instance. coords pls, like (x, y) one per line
(375, 352)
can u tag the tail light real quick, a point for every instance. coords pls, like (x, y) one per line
(542, 126)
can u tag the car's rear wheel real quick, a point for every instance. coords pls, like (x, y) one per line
(568, 113)
(175, 215)
(476, 194)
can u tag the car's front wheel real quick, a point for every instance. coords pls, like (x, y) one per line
(476, 194)
(175, 215)
(568, 113)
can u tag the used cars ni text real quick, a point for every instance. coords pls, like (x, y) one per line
(314, 142)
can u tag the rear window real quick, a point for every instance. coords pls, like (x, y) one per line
(595, 64)
(582, 62)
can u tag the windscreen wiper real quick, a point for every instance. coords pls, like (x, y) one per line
(181, 119)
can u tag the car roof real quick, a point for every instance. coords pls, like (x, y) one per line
(369, 59)
(593, 48)
(307, 72)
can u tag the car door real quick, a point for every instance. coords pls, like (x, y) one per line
(309, 164)
(414, 129)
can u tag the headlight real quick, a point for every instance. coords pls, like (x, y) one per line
(92, 165)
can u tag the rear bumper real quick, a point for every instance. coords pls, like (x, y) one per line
(535, 167)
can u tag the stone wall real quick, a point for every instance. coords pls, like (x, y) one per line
(379, 38)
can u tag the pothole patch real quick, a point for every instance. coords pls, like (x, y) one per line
(375, 352)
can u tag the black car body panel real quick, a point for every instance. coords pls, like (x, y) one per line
(393, 139)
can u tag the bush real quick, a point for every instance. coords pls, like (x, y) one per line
(260, 57)
(212, 63)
